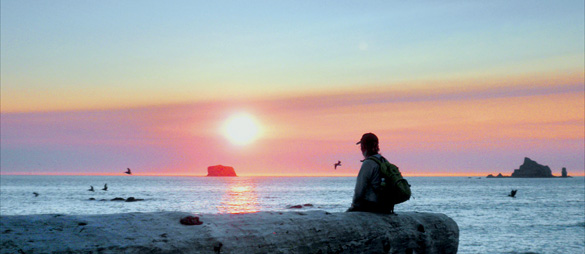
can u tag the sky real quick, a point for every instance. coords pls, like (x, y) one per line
(451, 88)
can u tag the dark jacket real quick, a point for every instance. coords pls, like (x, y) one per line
(367, 185)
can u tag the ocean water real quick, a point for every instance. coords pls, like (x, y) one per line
(547, 215)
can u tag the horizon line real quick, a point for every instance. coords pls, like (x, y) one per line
(251, 175)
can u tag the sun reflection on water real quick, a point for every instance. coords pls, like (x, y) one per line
(240, 197)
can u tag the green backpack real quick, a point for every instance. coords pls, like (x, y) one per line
(393, 188)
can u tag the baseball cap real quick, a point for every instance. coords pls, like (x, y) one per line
(368, 138)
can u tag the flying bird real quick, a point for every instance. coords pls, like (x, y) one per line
(128, 171)
(91, 189)
(513, 193)
(36, 194)
(337, 164)
(105, 187)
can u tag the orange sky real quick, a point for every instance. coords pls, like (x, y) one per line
(451, 131)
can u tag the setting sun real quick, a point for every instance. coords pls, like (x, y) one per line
(241, 129)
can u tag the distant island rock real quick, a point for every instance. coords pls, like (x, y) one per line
(220, 170)
(498, 176)
(531, 168)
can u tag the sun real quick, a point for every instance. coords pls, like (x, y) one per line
(241, 129)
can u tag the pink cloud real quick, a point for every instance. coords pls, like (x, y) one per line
(441, 132)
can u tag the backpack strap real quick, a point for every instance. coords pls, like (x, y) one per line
(386, 168)
(376, 160)
(381, 163)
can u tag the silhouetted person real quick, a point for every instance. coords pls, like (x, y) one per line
(368, 181)
(105, 187)
(36, 194)
(512, 193)
(337, 164)
(91, 188)
(128, 171)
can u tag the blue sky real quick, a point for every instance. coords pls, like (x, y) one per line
(252, 49)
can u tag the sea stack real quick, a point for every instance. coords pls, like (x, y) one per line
(220, 170)
(532, 169)
(564, 172)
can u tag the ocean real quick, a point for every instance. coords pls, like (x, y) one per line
(546, 216)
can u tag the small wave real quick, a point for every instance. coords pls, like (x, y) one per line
(530, 252)
(563, 225)
(575, 201)
(569, 225)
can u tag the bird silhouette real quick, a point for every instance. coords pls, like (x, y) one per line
(36, 194)
(337, 164)
(128, 171)
(91, 188)
(217, 248)
(105, 187)
(513, 193)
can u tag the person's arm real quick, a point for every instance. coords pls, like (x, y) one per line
(375, 179)
(363, 179)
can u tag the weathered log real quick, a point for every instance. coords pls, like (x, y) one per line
(262, 232)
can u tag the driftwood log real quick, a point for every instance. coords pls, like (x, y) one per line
(262, 232)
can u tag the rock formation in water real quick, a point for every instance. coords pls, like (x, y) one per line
(132, 199)
(532, 169)
(498, 176)
(262, 232)
(220, 170)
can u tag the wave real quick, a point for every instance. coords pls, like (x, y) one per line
(570, 225)
(567, 225)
